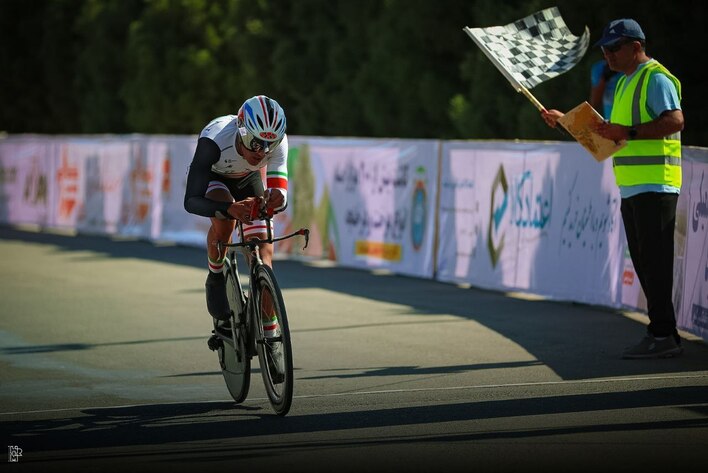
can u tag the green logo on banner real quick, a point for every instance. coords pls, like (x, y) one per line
(500, 201)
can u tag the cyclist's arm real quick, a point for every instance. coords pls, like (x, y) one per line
(206, 154)
(277, 174)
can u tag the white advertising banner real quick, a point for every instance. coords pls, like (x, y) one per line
(531, 217)
(92, 176)
(632, 294)
(142, 199)
(478, 242)
(26, 181)
(583, 254)
(692, 304)
(70, 194)
(368, 203)
(178, 225)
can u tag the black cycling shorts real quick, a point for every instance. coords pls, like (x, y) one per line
(250, 185)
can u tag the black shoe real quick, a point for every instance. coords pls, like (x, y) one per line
(214, 343)
(217, 302)
(650, 347)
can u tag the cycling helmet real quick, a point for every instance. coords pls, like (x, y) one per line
(261, 123)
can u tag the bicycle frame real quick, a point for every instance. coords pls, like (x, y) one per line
(253, 244)
(248, 337)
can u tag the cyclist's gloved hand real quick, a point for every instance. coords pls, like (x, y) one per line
(242, 209)
(260, 210)
(274, 199)
(256, 207)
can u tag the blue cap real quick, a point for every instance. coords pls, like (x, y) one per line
(618, 29)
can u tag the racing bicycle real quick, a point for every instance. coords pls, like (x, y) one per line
(258, 323)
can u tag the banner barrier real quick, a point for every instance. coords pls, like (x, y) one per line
(691, 264)
(537, 217)
(530, 217)
(368, 203)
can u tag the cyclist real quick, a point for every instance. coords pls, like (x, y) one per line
(225, 182)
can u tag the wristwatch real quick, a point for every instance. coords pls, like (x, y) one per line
(632, 132)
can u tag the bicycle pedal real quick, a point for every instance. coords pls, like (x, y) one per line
(214, 343)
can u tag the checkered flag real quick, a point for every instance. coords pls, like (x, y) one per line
(532, 50)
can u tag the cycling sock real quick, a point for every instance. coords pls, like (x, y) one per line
(216, 266)
(271, 327)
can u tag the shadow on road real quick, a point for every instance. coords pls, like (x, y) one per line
(196, 422)
(575, 341)
(30, 349)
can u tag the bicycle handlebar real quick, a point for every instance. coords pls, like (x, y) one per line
(260, 211)
(257, 241)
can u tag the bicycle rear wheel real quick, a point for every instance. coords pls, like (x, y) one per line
(233, 355)
(274, 350)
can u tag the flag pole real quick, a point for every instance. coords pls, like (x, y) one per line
(530, 96)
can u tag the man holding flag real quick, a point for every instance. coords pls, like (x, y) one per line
(647, 113)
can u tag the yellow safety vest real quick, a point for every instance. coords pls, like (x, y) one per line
(644, 161)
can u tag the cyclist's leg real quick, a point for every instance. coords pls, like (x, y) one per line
(252, 186)
(220, 230)
(269, 318)
(266, 250)
(275, 353)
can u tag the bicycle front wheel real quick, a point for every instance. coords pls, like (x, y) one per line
(233, 355)
(273, 341)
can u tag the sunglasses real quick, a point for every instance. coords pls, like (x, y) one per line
(252, 143)
(616, 47)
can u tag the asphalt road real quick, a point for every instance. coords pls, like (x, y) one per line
(104, 367)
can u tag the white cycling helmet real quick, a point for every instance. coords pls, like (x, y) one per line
(261, 123)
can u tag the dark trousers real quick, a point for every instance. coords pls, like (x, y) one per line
(649, 221)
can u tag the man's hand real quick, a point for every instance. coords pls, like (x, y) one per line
(612, 131)
(551, 117)
(668, 123)
(274, 198)
(241, 210)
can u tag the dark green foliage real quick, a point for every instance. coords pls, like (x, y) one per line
(379, 68)
(101, 61)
